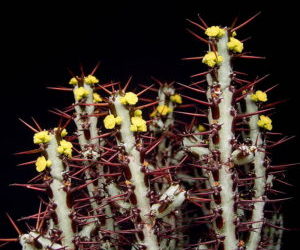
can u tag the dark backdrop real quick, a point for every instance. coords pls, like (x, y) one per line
(141, 39)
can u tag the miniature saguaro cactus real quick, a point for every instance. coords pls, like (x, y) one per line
(169, 166)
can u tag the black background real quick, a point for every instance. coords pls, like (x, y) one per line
(39, 43)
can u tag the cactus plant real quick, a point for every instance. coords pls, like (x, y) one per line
(143, 167)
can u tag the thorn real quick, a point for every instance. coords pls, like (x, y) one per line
(105, 89)
(60, 88)
(246, 22)
(30, 127)
(107, 85)
(26, 163)
(202, 21)
(81, 70)
(251, 84)
(250, 57)
(275, 103)
(240, 116)
(191, 88)
(196, 24)
(28, 186)
(144, 90)
(198, 82)
(278, 227)
(157, 81)
(146, 105)
(152, 89)
(282, 166)
(269, 89)
(192, 58)
(36, 124)
(278, 200)
(8, 240)
(155, 144)
(240, 73)
(14, 225)
(233, 23)
(198, 37)
(38, 218)
(238, 80)
(201, 74)
(33, 151)
(60, 113)
(95, 69)
(283, 182)
(191, 114)
(127, 84)
(283, 140)
(196, 100)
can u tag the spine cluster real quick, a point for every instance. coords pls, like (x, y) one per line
(167, 166)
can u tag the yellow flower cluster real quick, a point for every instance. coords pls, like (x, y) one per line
(80, 93)
(138, 124)
(63, 133)
(129, 98)
(97, 97)
(65, 148)
(265, 122)
(259, 96)
(110, 121)
(73, 81)
(41, 163)
(215, 31)
(201, 128)
(41, 137)
(90, 79)
(162, 110)
(235, 45)
(212, 58)
(176, 98)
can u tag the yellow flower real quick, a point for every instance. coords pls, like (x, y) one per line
(201, 128)
(63, 133)
(41, 163)
(259, 96)
(162, 110)
(118, 120)
(138, 121)
(176, 98)
(233, 34)
(138, 113)
(73, 81)
(80, 93)
(212, 58)
(138, 124)
(97, 97)
(90, 79)
(215, 31)
(133, 128)
(129, 98)
(265, 122)
(110, 121)
(235, 45)
(41, 137)
(65, 148)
